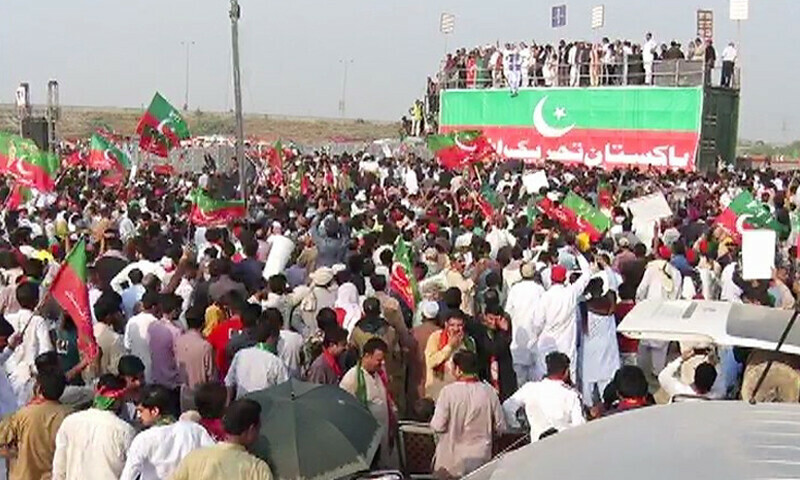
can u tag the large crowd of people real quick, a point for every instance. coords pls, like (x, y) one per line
(513, 327)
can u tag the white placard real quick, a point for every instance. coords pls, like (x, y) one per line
(740, 9)
(598, 17)
(650, 207)
(758, 254)
(534, 182)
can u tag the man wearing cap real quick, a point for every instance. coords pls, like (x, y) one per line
(416, 363)
(661, 281)
(520, 306)
(554, 325)
(316, 297)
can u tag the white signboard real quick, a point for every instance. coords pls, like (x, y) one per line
(758, 254)
(650, 207)
(740, 10)
(448, 23)
(598, 17)
(534, 182)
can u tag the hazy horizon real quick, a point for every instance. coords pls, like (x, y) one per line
(118, 53)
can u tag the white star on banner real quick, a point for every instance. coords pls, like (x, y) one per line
(560, 113)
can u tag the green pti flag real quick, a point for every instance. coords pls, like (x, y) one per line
(104, 155)
(69, 289)
(747, 213)
(460, 149)
(589, 218)
(402, 280)
(208, 211)
(21, 159)
(162, 127)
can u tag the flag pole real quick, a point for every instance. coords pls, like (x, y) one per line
(235, 14)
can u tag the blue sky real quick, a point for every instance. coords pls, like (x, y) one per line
(117, 53)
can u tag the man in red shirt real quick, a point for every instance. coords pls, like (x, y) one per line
(245, 316)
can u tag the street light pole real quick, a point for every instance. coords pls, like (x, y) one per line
(188, 45)
(235, 14)
(342, 102)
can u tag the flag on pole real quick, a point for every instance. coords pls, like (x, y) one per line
(207, 211)
(747, 213)
(19, 196)
(588, 218)
(70, 291)
(402, 280)
(458, 150)
(21, 159)
(104, 155)
(577, 215)
(75, 159)
(161, 128)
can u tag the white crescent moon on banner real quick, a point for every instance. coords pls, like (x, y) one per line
(542, 126)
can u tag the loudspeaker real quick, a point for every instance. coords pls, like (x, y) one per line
(35, 128)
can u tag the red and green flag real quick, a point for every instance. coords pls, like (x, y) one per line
(605, 195)
(19, 196)
(104, 155)
(610, 128)
(70, 290)
(275, 158)
(161, 128)
(75, 159)
(577, 215)
(588, 218)
(746, 213)
(458, 150)
(208, 212)
(164, 169)
(21, 159)
(488, 201)
(402, 280)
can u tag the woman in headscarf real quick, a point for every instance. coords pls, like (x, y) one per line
(374, 325)
(348, 310)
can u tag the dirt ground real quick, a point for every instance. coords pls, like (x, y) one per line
(81, 122)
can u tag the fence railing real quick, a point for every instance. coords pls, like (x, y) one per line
(630, 71)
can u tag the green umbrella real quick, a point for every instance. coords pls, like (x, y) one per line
(314, 432)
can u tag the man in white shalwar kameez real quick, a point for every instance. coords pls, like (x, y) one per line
(35, 340)
(600, 357)
(661, 281)
(522, 300)
(550, 404)
(555, 317)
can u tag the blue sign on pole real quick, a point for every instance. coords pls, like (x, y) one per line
(559, 16)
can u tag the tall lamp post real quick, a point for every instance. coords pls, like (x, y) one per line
(188, 45)
(342, 102)
(235, 14)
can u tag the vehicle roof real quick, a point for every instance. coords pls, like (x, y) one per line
(690, 440)
(723, 323)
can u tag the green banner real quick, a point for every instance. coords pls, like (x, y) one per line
(559, 109)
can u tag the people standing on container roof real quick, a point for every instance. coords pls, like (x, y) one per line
(729, 56)
(648, 56)
(513, 68)
(710, 60)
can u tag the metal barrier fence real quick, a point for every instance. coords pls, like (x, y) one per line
(631, 71)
